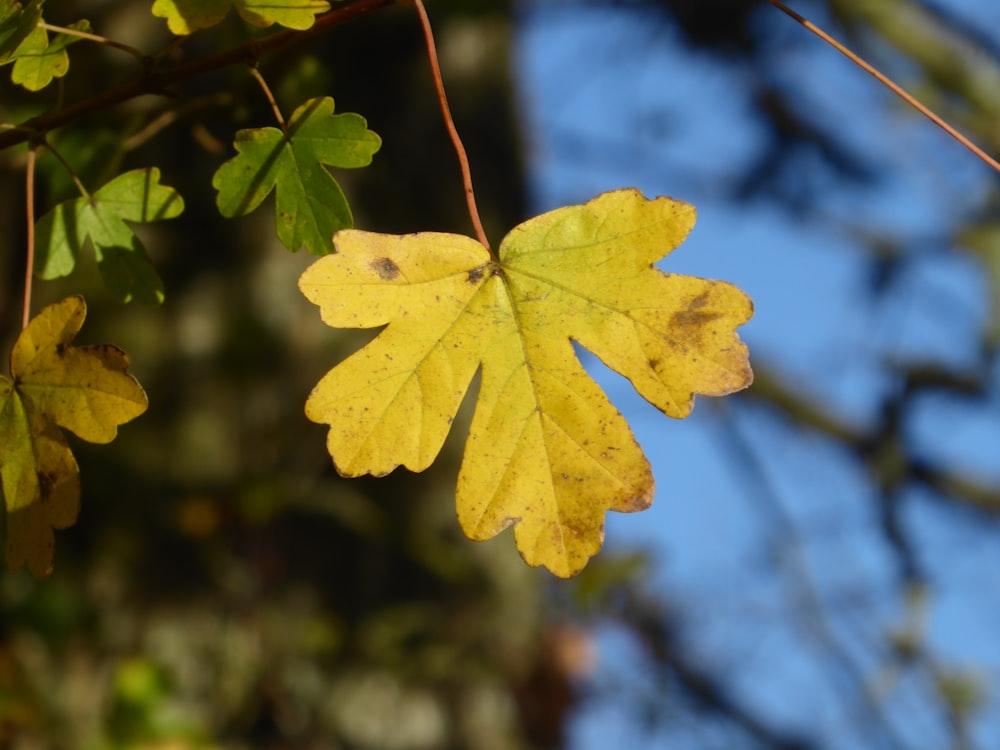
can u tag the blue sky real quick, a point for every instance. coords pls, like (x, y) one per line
(611, 102)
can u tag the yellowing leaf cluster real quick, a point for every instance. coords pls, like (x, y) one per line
(547, 452)
(187, 16)
(25, 42)
(40, 59)
(86, 390)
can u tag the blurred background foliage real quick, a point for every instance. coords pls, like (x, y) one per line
(223, 588)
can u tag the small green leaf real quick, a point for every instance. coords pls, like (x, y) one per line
(124, 264)
(16, 24)
(310, 204)
(40, 60)
(186, 16)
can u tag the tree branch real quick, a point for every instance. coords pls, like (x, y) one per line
(161, 82)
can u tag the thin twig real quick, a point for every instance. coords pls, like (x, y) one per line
(169, 117)
(270, 97)
(137, 54)
(29, 271)
(890, 84)
(463, 159)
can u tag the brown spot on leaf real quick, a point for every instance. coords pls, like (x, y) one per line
(46, 483)
(700, 301)
(474, 276)
(386, 268)
(636, 503)
(693, 318)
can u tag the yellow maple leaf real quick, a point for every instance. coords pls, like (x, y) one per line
(547, 452)
(86, 390)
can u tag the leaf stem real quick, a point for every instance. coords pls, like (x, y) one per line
(29, 271)
(137, 54)
(463, 158)
(270, 97)
(890, 84)
(72, 173)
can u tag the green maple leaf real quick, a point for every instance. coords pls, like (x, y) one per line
(186, 16)
(547, 452)
(16, 24)
(310, 204)
(124, 263)
(40, 60)
(86, 390)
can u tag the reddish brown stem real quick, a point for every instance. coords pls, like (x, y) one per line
(463, 158)
(29, 272)
(890, 84)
